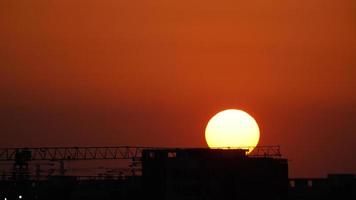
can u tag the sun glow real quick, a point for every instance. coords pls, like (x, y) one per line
(232, 129)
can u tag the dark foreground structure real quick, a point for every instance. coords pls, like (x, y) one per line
(170, 174)
(335, 186)
(212, 174)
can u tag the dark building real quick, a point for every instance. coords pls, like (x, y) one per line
(335, 186)
(212, 174)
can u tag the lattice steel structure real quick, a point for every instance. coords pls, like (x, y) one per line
(70, 153)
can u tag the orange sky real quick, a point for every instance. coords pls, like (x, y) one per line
(152, 73)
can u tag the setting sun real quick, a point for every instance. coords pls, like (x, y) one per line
(232, 129)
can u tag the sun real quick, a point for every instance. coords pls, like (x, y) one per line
(232, 129)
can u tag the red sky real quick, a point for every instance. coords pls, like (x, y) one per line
(152, 73)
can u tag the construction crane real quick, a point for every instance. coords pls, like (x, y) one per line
(69, 153)
(21, 157)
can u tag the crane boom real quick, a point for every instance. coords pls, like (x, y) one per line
(70, 153)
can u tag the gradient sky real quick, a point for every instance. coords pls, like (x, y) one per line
(152, 73)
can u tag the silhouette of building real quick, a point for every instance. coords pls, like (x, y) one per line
(335, 186)
(212, 174)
